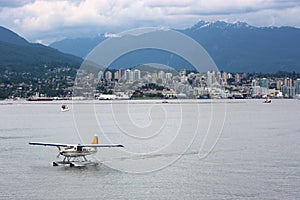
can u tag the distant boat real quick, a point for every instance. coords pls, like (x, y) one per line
(40, 99)
(268, 100)
(107, 97)
(64, 108)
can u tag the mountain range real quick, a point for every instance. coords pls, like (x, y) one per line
(240, 47)
(235, 47)
(19, 55)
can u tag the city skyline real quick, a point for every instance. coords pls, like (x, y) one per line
(212, 84)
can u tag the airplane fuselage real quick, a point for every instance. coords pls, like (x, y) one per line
(74, 152)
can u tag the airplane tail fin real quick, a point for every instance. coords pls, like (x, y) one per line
(95, 139)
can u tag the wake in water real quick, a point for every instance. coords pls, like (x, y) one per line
(149, 156)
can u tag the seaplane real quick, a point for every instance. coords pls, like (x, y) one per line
(75, 154)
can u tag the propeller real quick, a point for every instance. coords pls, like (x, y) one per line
(58, 152)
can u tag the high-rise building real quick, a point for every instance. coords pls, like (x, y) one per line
(264, 82)
(288, 82)
(161, 75)
(169, 76)
(279, 83)
(136, 75)
(100, 75)
(297, 85)
(121, 74)
(237, 78)
(182, 72)
(108, 75)
(224, 78)
(116, 75)
(257, 90)
(128, 75)
(244, 76)
(288, 91)
(219, 78)
(255, 83)
(211, 78)
(153, 77)
(132, 75)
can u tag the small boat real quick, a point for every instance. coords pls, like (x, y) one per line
(64, 108)
(268, 100)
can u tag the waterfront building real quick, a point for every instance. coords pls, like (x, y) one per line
(288, 91)
(259, 91)
(297, 85)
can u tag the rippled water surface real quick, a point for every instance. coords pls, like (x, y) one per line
(255, 157)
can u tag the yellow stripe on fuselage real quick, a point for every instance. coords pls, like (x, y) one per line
(76, 151)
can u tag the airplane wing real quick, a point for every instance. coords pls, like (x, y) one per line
(100, 145)
(72, 145)
(50, 144)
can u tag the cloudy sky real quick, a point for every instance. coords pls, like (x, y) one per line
(46, 21)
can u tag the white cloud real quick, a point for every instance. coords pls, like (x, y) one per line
(46, 20)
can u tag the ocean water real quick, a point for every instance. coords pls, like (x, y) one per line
(241, 149)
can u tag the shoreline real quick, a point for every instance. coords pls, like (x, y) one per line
(144, 101)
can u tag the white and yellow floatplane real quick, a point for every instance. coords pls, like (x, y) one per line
(75, 154)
